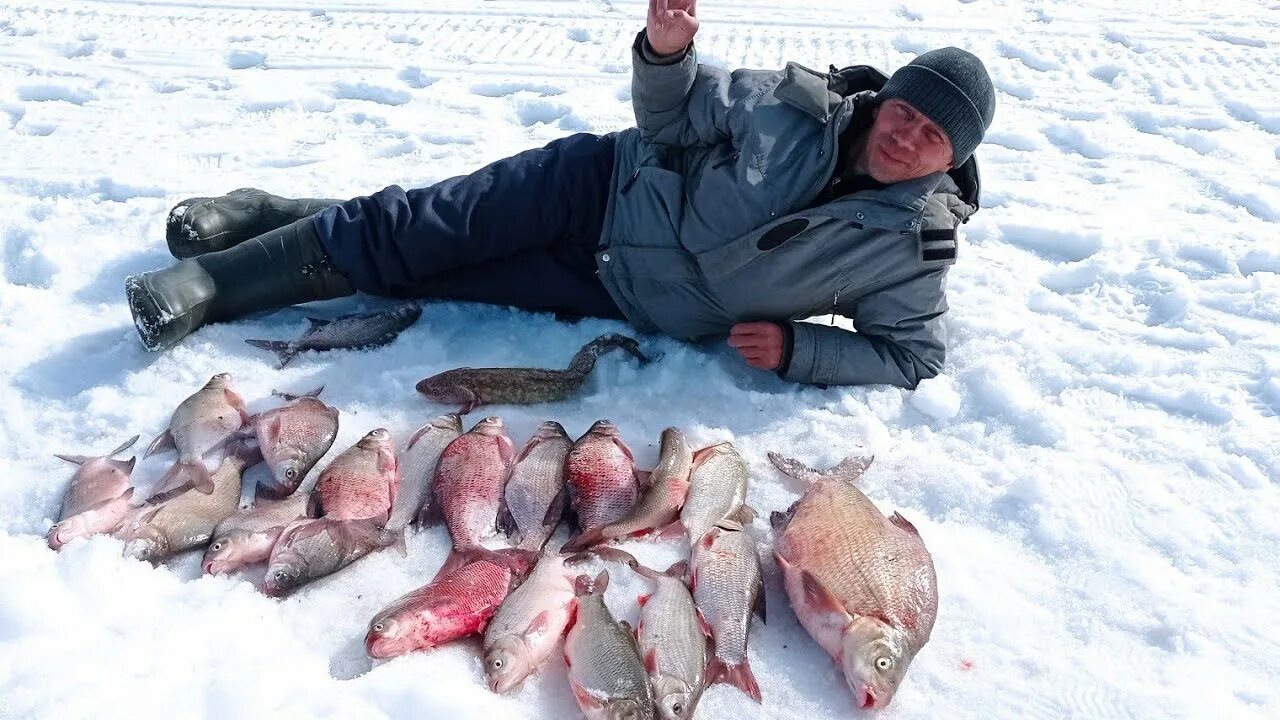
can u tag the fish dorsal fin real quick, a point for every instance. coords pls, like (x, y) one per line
(74, 459)
(125, 446)
(314, 323)
(678, 570)
(897, 519)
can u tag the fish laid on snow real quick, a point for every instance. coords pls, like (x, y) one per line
(474, 387)
(717, 491)
(418, 465)
(536, 494)
(601, 473)
(360, 483)
(460, 601)
(527, 626)
(348, 332)
(97, 499)
(293, 438)
(672, 642)
(660, 505)
(155, 532)
(605, 670)
(247, 537)
(468, 483)
(726, 588)
(311, 549)
(863, 585)
(202, 422)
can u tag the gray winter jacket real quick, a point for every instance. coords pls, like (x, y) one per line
(709, 222)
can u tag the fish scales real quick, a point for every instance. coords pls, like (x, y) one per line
(601, 477)
(537, 483)
(469, 481)
(863, 585)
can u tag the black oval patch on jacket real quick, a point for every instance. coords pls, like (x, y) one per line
(782, 233)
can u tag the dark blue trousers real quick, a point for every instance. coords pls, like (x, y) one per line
(522, 231)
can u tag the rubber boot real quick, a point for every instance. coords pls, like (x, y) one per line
(203, 225)
(282, 267)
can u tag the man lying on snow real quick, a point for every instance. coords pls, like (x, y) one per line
(740, 203)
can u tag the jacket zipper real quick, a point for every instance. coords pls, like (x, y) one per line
(630, 181)
(732, 158)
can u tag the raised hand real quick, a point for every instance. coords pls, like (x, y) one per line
(672, 25)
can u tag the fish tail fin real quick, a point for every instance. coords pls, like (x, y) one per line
(585, 359)
(849, 470)
(738, 675)
(283, 349)
(586, 585)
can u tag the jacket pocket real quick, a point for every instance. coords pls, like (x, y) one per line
(650, 207)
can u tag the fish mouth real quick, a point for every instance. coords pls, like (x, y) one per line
(209, 567)
(866, 698)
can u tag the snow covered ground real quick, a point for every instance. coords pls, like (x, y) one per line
(1096, 472)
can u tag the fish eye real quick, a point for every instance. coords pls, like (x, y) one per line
(216, 547)
(290, 473)
(883, 663)
(676, 708)
(279, 575)
(378, 627)
(497, 664)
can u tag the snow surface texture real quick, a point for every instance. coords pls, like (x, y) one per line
(1095, 473)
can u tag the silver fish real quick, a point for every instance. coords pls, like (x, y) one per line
(601, 474)
(672, 642)
(202, 422)
(660, 505)
(469, 481)
(717, 491)
(526, 629)
(536, 494)
(347, 332)
(605, 670)
(311, 549)
(726, 587)
(248, 536)
(155, 532)
(293, 438)
(863, 585)
(97, 498)
(418, 465)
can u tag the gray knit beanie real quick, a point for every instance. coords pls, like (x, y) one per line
(951, 87)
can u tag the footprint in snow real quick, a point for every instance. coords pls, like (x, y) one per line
(503, 89)
(372, 93)
(53, 93)
(1236, 39)
(1072, 140)
(532, 112)
(245, 59)
(1053, 244)
(415, 78)
(1026, 57)
(1106, 73)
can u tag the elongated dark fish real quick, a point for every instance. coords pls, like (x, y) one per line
(474, 387)
(348, 332)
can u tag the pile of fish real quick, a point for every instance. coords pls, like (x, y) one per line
(862, 585)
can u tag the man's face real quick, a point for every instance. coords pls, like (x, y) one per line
(903, 144)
